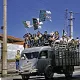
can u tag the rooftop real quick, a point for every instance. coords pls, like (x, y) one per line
(12, 39)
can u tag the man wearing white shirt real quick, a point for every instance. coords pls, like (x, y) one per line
(63, 39)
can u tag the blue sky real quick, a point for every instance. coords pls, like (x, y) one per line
(19, 10)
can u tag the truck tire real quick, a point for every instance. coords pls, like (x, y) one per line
(68, 75)
(25, 77)
(69, 72)
(48, 73)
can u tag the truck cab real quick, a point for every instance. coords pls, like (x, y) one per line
(36, 61)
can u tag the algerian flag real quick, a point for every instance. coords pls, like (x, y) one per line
(27, 24)
(42, 15)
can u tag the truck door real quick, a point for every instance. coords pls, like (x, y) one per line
(43, 61)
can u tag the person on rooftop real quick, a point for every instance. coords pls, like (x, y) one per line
(46, 37)
(39, 35)
(51, 36)
(63, 39)
(28, 40)
(36, 40)
(56, 35)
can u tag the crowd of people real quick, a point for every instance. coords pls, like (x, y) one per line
(40, 39)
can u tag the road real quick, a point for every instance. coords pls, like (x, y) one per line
(76, 76)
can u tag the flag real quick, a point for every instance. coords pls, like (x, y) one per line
(42, 15)
(35, 23)
(27, 24)
(64, 33)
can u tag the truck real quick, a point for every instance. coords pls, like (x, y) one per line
(46, 60)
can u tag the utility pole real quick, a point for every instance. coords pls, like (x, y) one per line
(71, 25)
(66, 21)
(4, 52)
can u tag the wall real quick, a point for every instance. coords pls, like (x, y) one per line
(11, 50)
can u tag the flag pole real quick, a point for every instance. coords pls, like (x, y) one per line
(26, 30)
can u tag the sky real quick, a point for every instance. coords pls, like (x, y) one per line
(21, 10)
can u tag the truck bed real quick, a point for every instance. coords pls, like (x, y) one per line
(65, 57)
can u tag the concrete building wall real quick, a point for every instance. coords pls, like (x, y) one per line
(12, 49)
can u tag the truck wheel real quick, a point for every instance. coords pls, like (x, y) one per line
(69, 72)
(25, 77)
(68, 75)
(48, 73)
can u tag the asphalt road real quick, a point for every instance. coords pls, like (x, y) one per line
(76, 76)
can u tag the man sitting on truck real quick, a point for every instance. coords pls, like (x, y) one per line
(54, 36)
(39, 35)
(46, 38)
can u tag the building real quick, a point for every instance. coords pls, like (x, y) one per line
(13, 40)
(13, 44)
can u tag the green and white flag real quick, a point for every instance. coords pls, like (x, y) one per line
(27, 24)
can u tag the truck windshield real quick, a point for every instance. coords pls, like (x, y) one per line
(43, 54)
(31, 55)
